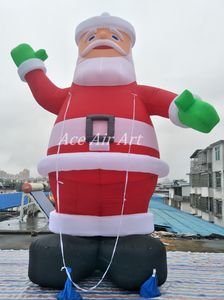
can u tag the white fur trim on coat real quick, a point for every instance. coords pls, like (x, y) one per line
(80, 225)
(115, 161)
(30, 65)
(173, 114)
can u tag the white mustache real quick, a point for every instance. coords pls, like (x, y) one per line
(98, 43)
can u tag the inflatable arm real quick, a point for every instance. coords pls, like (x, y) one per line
(157, 101)
(32, 69)
(184, 110)
(49, 96)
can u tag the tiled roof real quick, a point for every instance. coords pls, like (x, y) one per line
(181, 222)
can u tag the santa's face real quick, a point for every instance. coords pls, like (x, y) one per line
(104, 58)
(104, 42)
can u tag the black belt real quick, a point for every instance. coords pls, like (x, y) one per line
(108, 137)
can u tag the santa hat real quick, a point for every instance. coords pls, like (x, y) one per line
(105, 20)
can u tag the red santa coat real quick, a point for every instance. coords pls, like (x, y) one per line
(92, 175)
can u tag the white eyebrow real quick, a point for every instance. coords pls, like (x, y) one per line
(89, 33)
(114, 30)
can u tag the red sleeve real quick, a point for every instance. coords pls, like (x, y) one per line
(49, 96)
(157, 101)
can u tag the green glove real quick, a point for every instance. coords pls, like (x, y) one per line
(196, 113)
(24, 52)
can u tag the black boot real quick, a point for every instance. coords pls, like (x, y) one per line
(45, 259)
(135, 258)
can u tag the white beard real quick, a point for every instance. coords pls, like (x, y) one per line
(104, 71)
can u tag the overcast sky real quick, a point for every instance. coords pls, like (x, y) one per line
(180, 44)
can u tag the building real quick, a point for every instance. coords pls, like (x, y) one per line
(4, 175)
(179, 195)
(207, 183)
(22, 175)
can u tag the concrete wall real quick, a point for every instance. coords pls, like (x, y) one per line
(206, 216)
(204, 192)
(186, 191)
(171, 193)
(185, 206)
(218, 221)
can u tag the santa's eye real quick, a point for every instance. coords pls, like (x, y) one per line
(92, 37)
(115, 37)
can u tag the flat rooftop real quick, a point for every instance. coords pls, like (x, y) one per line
(190, 276)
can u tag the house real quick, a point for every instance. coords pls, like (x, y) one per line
(179, 195)
(207, 183)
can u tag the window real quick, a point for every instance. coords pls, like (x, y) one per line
(217, 153)
(218, 179)
(210, 184)
(178, 191)
(195, 180)
(219, 208)
(204, 158)
(211, 205)
(202, 203)
(204, 180)
(193, 200)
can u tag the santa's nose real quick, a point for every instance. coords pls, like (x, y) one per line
(102, 34)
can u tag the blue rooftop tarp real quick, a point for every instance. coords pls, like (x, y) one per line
(181, 222)
(11, 200)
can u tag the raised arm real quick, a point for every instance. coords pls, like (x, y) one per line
(49, 96)
(32, 70)
(184, 110)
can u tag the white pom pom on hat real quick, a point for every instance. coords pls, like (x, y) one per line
(105, 20)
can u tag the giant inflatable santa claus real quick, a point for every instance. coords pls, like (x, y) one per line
(103, 159)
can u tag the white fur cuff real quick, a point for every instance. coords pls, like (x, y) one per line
(30, 65)
(173, 114)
